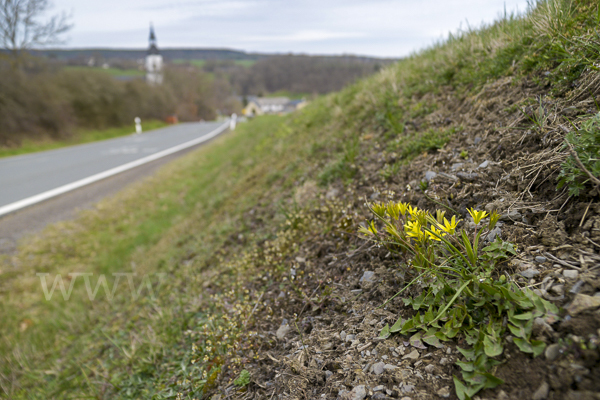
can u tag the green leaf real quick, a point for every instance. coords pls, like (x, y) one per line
(526, 317)
(397, 327)
(452, 300)
(431, 338)
(385, 332)
(469, 354)
(492, 346)
(415, 340)
(468, 247)
(461, 389)
(243, 379)
(523, 345)
(467, 366)
(538, 347)
(428, 316)
(491, 381)
(480, 302)
(408, 326)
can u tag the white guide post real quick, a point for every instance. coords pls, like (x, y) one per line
(138, 125)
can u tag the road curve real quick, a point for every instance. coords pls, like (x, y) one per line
(31, 178)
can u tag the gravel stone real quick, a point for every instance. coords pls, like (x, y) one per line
(510, 216)
(389, 367)
(413, 355)
(570, 273)
(408, 388)
(484, 164)
(377, 368)
(367, 276)
(379, 396)
(282, 331)
(529, 273)
(358, 393)
(378, 388)
(467, 177)
(343, 335)
(429, 175)
(542, 392)
(552, 352)
(493, 234)
(558, 289)
(540, 259)
(444, 392)
(583, 302)
(429, 369)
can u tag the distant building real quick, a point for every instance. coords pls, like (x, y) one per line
(154, 62)
(272, 105)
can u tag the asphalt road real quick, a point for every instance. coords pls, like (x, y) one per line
(27, 176)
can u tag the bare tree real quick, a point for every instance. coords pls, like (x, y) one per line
(22, 25)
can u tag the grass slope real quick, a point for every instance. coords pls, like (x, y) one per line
(229, 223)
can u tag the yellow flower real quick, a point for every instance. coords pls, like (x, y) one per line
(393, 210)
(413, 229)
(379, 209)
(477, 215)
(450, 226)
(391, 229)
(494, 217)
(435, 233)
(439, 215)
(402, 207)
(369, 230)
(413, 211)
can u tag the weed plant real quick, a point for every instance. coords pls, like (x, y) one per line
(464, 296)
(582, 167)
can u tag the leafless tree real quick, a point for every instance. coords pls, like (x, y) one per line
(23, 26)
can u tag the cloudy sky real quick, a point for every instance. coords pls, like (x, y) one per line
(384, 28)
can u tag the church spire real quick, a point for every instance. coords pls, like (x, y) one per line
(152, 35)
(154, 61)
(152, 49)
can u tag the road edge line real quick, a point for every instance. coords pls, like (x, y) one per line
(17, 205)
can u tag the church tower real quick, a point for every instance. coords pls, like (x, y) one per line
(154, 61)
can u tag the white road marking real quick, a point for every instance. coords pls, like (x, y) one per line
(113, 171)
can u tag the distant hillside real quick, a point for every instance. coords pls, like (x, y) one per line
(134, 54)
(178, 54)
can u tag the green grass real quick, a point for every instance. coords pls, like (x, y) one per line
(291, 95)
(84, 136)
(169, 224)
(200, 63)
(111, 71)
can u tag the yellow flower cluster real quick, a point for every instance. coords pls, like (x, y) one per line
(403, 221)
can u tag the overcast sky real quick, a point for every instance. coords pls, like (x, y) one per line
(384, 28)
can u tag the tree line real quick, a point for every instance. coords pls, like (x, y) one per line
(43, 101)
(294, 73)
